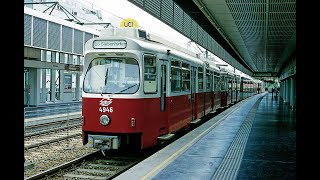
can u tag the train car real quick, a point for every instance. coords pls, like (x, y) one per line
(217, 90)
(255, 84)
(232, 79)
(213, 92)
(138, 91)
(237, 87)
(227, 84)
(251, 86)
(244, 86)
(259, 86)
(233, 86)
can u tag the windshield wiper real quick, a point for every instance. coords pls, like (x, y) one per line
(106, 78)
(126, 89)
(105, 81)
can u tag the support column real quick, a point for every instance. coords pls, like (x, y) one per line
(77, 93)
(43, 90)
(52, 85)
(62, 85)
(33, 78)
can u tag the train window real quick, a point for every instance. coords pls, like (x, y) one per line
(244, 85)
(238, 83)
(150, 74)
(212, 81)
(216, 83)
(229, 83)
(208, 81)
(200, 79)
(112, 75)
(185, 77)
(175, 76)
(222, 83)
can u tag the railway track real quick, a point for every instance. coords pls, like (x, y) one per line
(95, 166)
(42, 128)
(81, 163)
(41, 140)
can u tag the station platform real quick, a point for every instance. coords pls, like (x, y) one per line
(253, 139)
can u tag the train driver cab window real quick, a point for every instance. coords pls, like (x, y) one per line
(150, 74)
(175, 75)
(112, 75)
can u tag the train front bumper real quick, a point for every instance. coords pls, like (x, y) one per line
(103, 142)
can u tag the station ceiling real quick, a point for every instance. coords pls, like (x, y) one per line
(259, 34)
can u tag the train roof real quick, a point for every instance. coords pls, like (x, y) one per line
(228, 71)
(210, 64)
(151, 42)
(246, 77)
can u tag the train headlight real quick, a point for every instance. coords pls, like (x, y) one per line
(104, 120)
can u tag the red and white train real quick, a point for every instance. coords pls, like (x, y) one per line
(139, 90)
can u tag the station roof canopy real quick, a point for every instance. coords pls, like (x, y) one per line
(255, 36)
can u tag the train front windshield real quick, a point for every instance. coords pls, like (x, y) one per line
(112, 76)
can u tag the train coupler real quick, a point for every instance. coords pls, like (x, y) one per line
(103, 142)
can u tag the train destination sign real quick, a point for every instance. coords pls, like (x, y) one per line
(109, 44)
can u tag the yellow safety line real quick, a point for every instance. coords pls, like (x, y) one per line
(183, 148)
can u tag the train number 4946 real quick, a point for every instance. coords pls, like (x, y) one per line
(106, 109)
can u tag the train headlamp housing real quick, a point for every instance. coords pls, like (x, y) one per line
(104, 120)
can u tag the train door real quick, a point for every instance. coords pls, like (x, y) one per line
(223, 90)
(234, 90)
(211, 90)
(163, 84)
(193, 91)
(208, 101)
(230, 93)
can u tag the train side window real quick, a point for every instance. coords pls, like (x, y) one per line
(185, 77)
(230, 81)
(200, 79)
(150, 74)
(175, 76)
(216, 81)
(222, 83)
(208, 81)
